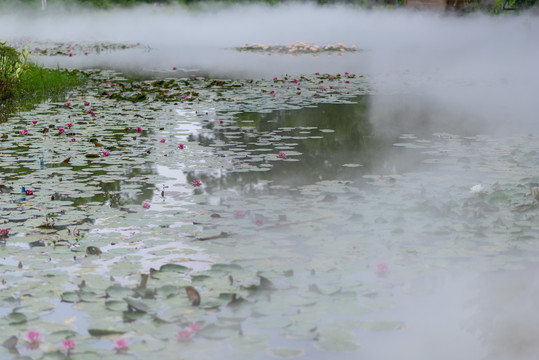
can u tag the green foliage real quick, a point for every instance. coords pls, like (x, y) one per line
(12, 64)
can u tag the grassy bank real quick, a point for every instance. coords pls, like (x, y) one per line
(23, 84)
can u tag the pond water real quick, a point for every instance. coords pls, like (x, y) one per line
(400, 219)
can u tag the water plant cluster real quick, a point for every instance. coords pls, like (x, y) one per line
(297, 48)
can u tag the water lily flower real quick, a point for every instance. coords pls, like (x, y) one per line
(194, 327)
(174, 68)
(332, 87)
(317, 73)
(139, 130)
(68, 344)
(69, 125)
(61, 130)
(281, 155)
(196, 183)
(162, 140)
(220, 121)
(272, 92)
(121, 345)
(67, 104)
(4, 233)
(29, 192)
(146, 205)
(259, 222)
(275, 78)
(73, 140)
(24, 132)
(381, 268)
(70, 54)
(34, 122)
(184, 96)
(106, 153)
(32, 336)
(185, 335)
(92, 115)
(85, 53)
(239, 214)
(323, 87)
(89, 111)
(346, 73)
(347, 82)
(181, 146)
(86, 103)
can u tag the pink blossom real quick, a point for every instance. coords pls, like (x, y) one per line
(92, 115)
(73, 140)
(296, 80)
(68, 344)
(146, 205)
(281, 155)
(69, 125)
(34, 122)
(346, 73)
(121, 345)
(331, 77)
(32, 336)
(29, 192)
(181, 146)
(259, 222)
(85, 53)
(184, 96)
(61, 130)
(67, 104)
(220, 121)
(106, 153)
(332, 87)
(239, 214)
(194, 327)
(196, 183)
(24, 132)
(275, 78)
(89, 111)
(162, 140)
(381, 268)
(185, 335)
(4, 232)
(174, 68)
(347, 82)
(70, 54)
(323, 87)
(272, 92)
(86, 103)
(317, 73)
(139, 130)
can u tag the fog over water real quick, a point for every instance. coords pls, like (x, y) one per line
(434, 72)
(477, 71)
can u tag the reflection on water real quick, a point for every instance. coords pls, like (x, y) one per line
(323, 142)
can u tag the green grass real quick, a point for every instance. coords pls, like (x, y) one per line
(36, 84)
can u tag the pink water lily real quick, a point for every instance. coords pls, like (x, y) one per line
(174, 68)
(162, 140)
(239, 214)
(382, 268)
(89, 111)
(67, 104)
(121, 345)
(181, 146)
(61, 130)
(347, 82)
(68, 344)
(24, 132)
(73, 140)
(139, 130)
(196, 183)
(32, 336)
(259, 222)
(86, 103)
(105, 153)
(92, 115)
(69, 125)
(146, 205)
(29, 192)
(272, 92)
(4, 233)
(281, 155)
(323, 87)
(34, 122)
(85, 53)
(194, 327)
